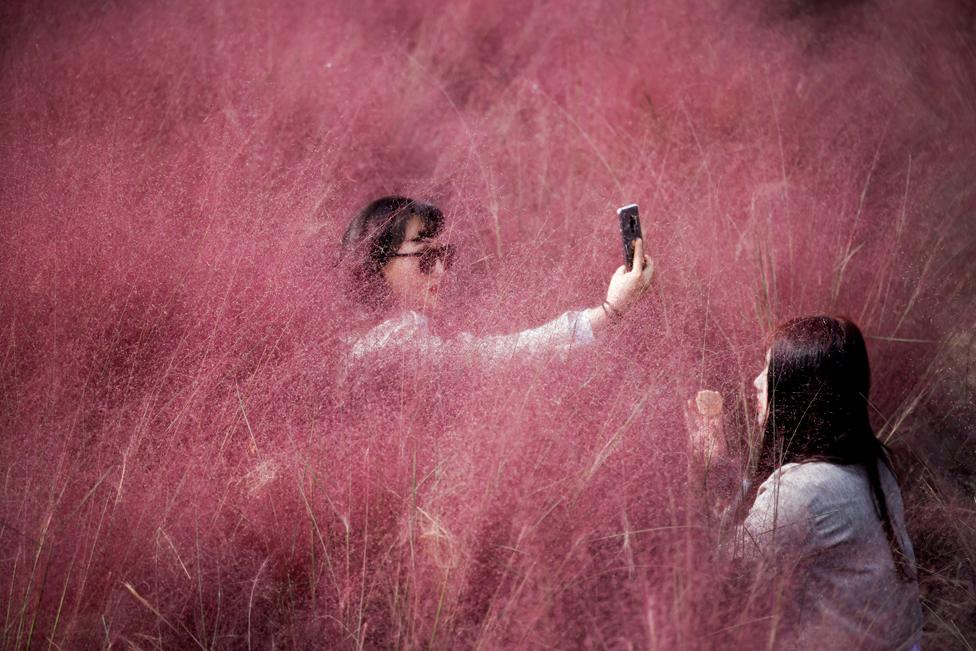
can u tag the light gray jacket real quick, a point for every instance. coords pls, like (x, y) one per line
(820, 520)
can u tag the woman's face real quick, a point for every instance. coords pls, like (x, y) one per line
(412, 288)
(762, 391)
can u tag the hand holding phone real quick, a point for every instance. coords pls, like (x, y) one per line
(631, 280)
(630, 230)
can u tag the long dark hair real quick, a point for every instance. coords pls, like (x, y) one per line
(818, 385)
(374, 234)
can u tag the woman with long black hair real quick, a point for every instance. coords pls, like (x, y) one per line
(825, 506)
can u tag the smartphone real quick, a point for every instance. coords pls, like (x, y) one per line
(630, 230)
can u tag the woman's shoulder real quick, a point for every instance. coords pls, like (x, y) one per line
(398, 329)
(817, 472)
(819, 487)
(811, 483)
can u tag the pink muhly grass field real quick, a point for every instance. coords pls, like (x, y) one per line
(185, 460)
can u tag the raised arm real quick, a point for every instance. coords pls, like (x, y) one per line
(411, 331)
(716, 482)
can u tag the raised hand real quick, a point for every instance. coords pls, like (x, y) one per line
(626, 287)
(704, 420)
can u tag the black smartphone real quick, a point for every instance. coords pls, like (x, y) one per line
(630, 230)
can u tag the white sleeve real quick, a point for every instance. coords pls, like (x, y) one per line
(567, 331)
(410, 333)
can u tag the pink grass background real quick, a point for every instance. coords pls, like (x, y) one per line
(184, 461)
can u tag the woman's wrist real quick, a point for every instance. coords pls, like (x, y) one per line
(606, 313)
(611, 311)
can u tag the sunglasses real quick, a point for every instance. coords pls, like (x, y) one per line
(428, 257)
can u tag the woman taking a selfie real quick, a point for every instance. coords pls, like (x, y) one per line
(393, 248)
(828, 510)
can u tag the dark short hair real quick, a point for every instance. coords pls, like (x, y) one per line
(377, 231)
